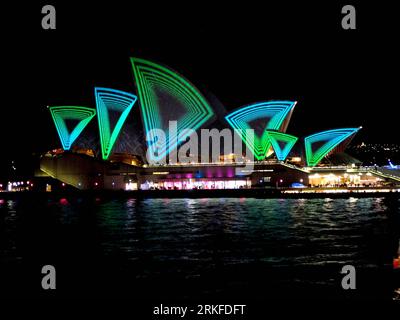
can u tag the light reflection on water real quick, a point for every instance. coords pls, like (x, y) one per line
(192, 236)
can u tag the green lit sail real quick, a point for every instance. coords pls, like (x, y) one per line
(327, 141)
(81, 116)
(154, 84)
(271, 114)
(107, 101)
(282, 143)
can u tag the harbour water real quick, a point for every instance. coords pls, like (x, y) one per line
(172, 249)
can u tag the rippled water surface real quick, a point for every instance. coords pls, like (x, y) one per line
(196, 248)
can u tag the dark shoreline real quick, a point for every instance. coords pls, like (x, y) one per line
(220, 193)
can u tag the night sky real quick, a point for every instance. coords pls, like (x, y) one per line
(242, 53)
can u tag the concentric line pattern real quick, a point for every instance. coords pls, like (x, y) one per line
(111, 100)
(332, 139)
(61, 114)
(150, 80)
(278, 138)
(276, 113)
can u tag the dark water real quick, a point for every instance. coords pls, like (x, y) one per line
(166, 249)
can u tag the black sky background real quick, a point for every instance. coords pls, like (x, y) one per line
(243, 52)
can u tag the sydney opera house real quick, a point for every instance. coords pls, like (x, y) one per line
(107, 146)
